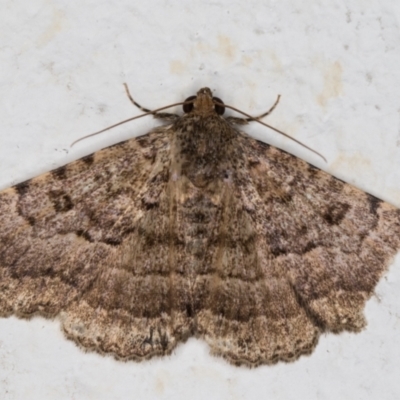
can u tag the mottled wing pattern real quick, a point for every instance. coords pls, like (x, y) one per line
(77, 242)
(194, 230)
(320, 245)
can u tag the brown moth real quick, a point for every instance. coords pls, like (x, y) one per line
(194, 229)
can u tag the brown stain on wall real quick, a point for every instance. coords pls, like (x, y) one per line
(224, 48)
(176, 67)
(55, 26)
(333, 85)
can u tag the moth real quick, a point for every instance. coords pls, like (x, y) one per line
(194, 229)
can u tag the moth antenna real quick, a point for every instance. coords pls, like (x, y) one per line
(267, 112)
(134, 102)
(131, 119)
(249, 117)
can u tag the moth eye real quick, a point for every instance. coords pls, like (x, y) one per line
(188, 107)
(219, 109)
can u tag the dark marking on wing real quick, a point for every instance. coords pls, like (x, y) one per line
(60, 173)
(85, 235)
(335, 213)
(112, 241)
(31, 220)
(374, 203)
(23, 187)
(89, 159)
(62, 202)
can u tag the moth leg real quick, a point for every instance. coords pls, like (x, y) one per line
(165, 116)
(244, 121)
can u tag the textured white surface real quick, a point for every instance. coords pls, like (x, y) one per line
(336, 65)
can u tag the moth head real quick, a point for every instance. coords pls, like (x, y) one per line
(204, 102)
